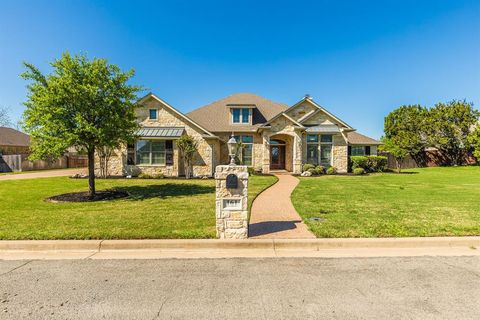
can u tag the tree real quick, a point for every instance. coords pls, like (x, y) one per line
(5, 118)
(83, 103)
(474, 140)
(405, 126)
(104, 155)
(449, 126)
(188, 147)
(395, 148)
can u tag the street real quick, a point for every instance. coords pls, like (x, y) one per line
(280, 288)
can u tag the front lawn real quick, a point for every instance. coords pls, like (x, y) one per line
(166, 208)
(425, 202)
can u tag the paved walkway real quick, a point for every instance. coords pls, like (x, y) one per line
(43, 174)
(273, 214)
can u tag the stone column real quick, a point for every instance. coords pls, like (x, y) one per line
(231, 202)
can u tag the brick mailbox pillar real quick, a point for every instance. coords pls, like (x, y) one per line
(231, 201)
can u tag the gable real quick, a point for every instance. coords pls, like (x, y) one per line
(283, 122)
(301, 110)
(167, 116)
(308, 112)
(320, 117)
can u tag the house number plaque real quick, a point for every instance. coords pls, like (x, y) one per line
(232, 204)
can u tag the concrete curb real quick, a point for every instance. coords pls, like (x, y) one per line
(250, 244)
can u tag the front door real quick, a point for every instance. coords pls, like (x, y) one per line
(277, 157)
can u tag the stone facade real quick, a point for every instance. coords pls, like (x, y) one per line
(212, 146)
(231, 203)
(340, 154)
(205, 159)
(284, 129)
(257, 158)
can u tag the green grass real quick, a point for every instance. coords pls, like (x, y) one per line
(167, 208)
(426, 202)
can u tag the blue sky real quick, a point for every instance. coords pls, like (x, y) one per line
(358, 59)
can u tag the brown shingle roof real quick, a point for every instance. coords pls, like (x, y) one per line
(215, 117)
(357, 138)
(12, 137)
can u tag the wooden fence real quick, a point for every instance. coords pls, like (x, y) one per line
(433, 158)
(19, 162)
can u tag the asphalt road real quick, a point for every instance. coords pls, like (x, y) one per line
(300, 288)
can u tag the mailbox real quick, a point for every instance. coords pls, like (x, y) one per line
(232, 181)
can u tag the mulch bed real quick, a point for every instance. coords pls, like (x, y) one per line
(84, 197)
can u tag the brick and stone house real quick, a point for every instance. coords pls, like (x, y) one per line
(274, 136)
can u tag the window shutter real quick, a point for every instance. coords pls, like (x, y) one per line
(169, 152)
(130, 154)
(367, 150)
(349, 150)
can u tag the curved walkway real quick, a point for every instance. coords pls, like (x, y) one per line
(273, 214)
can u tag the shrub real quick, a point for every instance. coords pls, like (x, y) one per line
(369, 163)
(151, 176)
(308, 166)
(358, 171)
(320, 169)
(332, 170)
(251, 171)
(377, 163)
(315, 171)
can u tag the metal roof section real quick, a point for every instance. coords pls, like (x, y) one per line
(160, 132)
(323, 128)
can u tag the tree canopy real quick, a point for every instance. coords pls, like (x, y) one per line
(188, 147)
(449, 125)
(405, 126)
(445, 126)
(82, 103)
(4, 118)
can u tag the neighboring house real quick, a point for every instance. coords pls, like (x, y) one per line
(13, 141)
(274, 136)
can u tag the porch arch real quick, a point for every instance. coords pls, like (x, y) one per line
(293, 152)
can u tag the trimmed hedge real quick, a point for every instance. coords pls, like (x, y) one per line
(369, 163)
(358, 171)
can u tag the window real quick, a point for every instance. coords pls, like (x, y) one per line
(152, 114)
(245, 154)
(154, 152)
(319, 149)
(241, 115)
(358, 151)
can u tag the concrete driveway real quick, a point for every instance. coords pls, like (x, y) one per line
(350, 288)
(43, 174)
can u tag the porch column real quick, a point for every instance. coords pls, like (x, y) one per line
(297, 153)
(266, 153)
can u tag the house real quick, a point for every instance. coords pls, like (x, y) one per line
(13, 141)
(274, 136)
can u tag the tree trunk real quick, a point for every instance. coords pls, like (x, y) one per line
(187, 169)
(399, 165)
(91, 172)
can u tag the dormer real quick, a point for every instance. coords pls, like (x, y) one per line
(241, 114)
